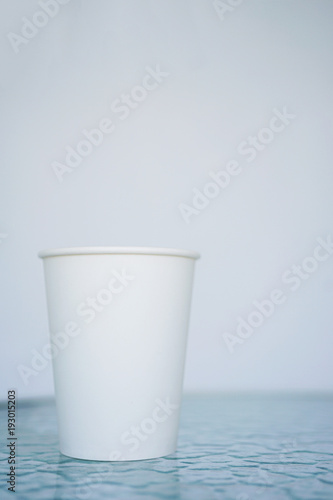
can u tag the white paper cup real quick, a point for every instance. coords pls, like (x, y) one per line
(118, 318)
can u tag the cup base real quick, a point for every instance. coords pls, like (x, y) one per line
(116, 458)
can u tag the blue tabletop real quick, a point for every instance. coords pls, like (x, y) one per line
(239, 447)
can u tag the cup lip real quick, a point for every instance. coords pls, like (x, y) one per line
(127, 250)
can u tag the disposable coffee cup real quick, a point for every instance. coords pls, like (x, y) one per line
(118, 319)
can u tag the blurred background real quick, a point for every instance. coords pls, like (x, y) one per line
(114, 116)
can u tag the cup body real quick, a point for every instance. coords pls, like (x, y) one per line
(118, 320)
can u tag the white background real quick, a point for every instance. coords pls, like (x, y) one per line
(226, 74)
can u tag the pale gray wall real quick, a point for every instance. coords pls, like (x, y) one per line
(228, 70)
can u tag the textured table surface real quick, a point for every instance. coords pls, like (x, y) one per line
(230, 447)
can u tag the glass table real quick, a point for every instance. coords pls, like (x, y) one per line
(239, 447)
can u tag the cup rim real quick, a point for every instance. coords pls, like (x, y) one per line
(129, 250)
